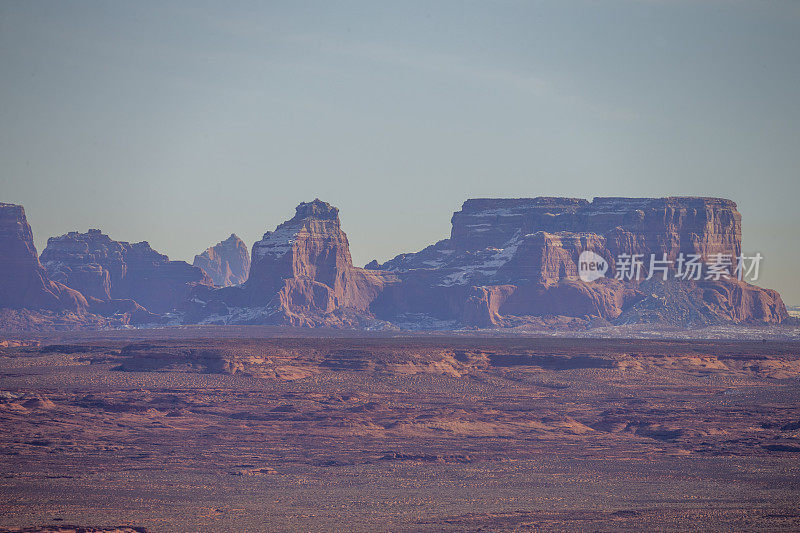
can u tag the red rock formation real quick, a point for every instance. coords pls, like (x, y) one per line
(508, 263)
(301, 274)
(227, 263)
(687, 303)
(638, 225)
(106, 269)
(23, 281)
(508, 259)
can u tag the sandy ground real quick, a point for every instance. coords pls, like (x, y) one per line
(399, 434)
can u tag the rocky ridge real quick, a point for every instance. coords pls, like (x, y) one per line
(510, 263)
(29, 297)
(107, 270)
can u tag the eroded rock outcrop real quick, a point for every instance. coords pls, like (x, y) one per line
(29, 299)
(508, 263)
(24, 283)
(109, 270)
(509, 260)
(301, 274)
(227, 263)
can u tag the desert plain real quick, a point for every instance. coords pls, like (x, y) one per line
(215, 429)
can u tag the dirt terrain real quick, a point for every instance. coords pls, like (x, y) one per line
(397, 434)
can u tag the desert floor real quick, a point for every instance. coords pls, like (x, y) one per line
(172, 433)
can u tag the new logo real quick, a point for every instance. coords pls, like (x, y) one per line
(591, 266)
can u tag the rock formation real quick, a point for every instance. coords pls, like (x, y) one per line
(510, 260)
(301, 274)
(30, 300)
(227, 263)
(507, 263)
(24, 283)
(105, 269)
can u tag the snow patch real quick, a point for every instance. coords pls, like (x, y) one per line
(276, 243)
(488, 267)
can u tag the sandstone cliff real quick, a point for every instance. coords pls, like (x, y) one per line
(227, 262)
(24, 283)
(106, 269)
(300, 274)
(509, 261)
(30, 300)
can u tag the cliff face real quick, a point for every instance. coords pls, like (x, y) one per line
(311, 245)
(106, 269)
(227, 263)
(509, 260)
(300, 274)
(24, 283)
(705, 226)
(508, 263)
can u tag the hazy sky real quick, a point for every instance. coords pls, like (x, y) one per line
(181, 122)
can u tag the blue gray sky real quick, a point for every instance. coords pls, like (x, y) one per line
(181, 122)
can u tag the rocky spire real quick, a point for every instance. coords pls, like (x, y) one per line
(24, 283)
(227, 262)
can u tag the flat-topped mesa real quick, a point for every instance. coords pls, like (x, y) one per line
(24, 283)
(484, 222)
(474, 205)
(106, 269)
(672, 225)
(518, 257)
(227, 262)
(705, 226)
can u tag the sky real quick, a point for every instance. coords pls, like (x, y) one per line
(180, 123)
